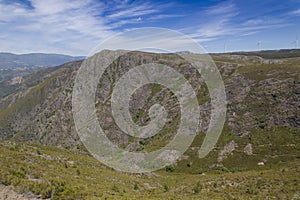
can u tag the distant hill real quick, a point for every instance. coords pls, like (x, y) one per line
(271, 54)
(9, 60)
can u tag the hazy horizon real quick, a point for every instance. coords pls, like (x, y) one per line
(147, 51)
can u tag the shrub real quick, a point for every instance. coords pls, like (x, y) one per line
(135, 187)
(43, 189)
(197, 189)
(115, 188)
(251, 190)
(166, 188)
(170, 168)
(144, 141)
(78, 171)
(38, 152)
(20, 173)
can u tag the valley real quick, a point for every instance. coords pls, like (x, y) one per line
(256, 157)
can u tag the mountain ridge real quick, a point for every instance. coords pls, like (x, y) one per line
(11, 60)
(262, 108)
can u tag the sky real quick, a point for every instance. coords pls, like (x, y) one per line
(76, 27)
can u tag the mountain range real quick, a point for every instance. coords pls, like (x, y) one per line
(9, 60)
(261, 132)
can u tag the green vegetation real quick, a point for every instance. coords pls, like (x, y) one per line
(115, 188)
(170, 168)
(270, 92)
(197, 189)
(45, 173)
(274, 145)
(136, 186)
(166, 188)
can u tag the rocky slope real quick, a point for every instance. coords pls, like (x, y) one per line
(8, 193)
(263, 109)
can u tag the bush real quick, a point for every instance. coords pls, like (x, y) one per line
(115, 188)
(252, 190)
(38, 152)
(135, 187)
(170, 168)
(166, 188)
(78, 171)
(144, 141)
(43, 189)
(197, 189)
(20, 173)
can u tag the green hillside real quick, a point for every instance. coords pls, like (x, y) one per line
(256, 157)
(58, 173)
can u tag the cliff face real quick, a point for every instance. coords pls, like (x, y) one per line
(262, 96)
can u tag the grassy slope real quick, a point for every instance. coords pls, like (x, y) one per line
(63, 174)
(277, 145)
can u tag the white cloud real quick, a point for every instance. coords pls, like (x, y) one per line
(223, 20)
(164, 16)
(296, 12)
(254, 22)
(221, 8)
(53, 25)
(68, 26)
(76, 26)
(219, 18)
(140, 10)
(11, 12)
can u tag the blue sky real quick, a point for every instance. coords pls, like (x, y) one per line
(75, 27)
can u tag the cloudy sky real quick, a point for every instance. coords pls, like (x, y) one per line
(75, 27)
